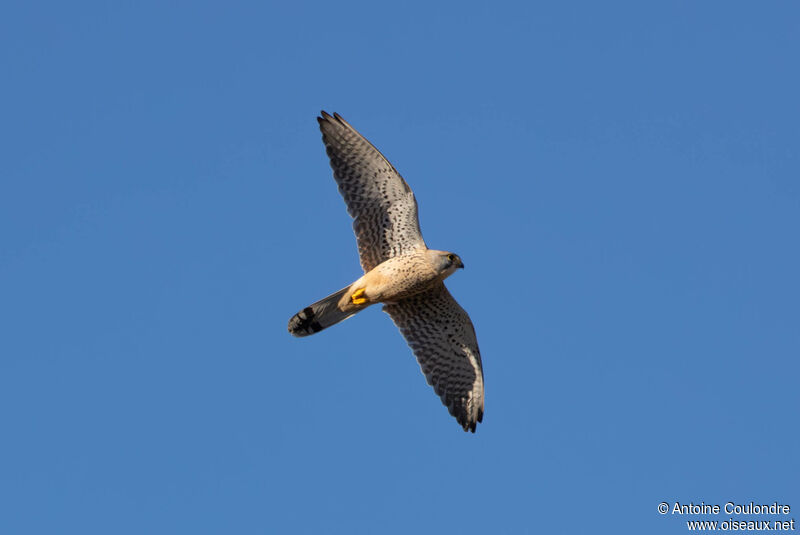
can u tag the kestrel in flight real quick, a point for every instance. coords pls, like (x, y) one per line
(400, 272)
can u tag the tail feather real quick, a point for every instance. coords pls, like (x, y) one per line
(320, 315)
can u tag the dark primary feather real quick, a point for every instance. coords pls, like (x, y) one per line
(382, 205)
(442, 338)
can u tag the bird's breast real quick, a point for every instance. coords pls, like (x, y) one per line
(400, 277)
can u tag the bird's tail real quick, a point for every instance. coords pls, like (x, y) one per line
(321, 315)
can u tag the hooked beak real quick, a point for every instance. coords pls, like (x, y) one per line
(460, 264)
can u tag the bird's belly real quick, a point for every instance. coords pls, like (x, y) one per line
(399, 278)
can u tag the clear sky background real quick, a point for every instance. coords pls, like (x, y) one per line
(621, 179)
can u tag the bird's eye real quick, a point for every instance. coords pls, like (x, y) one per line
(451, 258)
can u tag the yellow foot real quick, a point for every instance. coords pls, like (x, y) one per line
(357, 298)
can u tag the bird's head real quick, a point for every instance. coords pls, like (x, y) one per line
(445, 262)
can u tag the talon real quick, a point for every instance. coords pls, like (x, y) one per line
(357, 298)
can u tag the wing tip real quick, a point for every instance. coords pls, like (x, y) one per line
(477, 420)
(325, 117)
(469, 421)
(469, 426)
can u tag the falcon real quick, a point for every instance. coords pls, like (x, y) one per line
(400, 272)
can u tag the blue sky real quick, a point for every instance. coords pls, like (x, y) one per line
(621, 179)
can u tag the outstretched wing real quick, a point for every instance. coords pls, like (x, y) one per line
(382, 205)
(442, 338)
